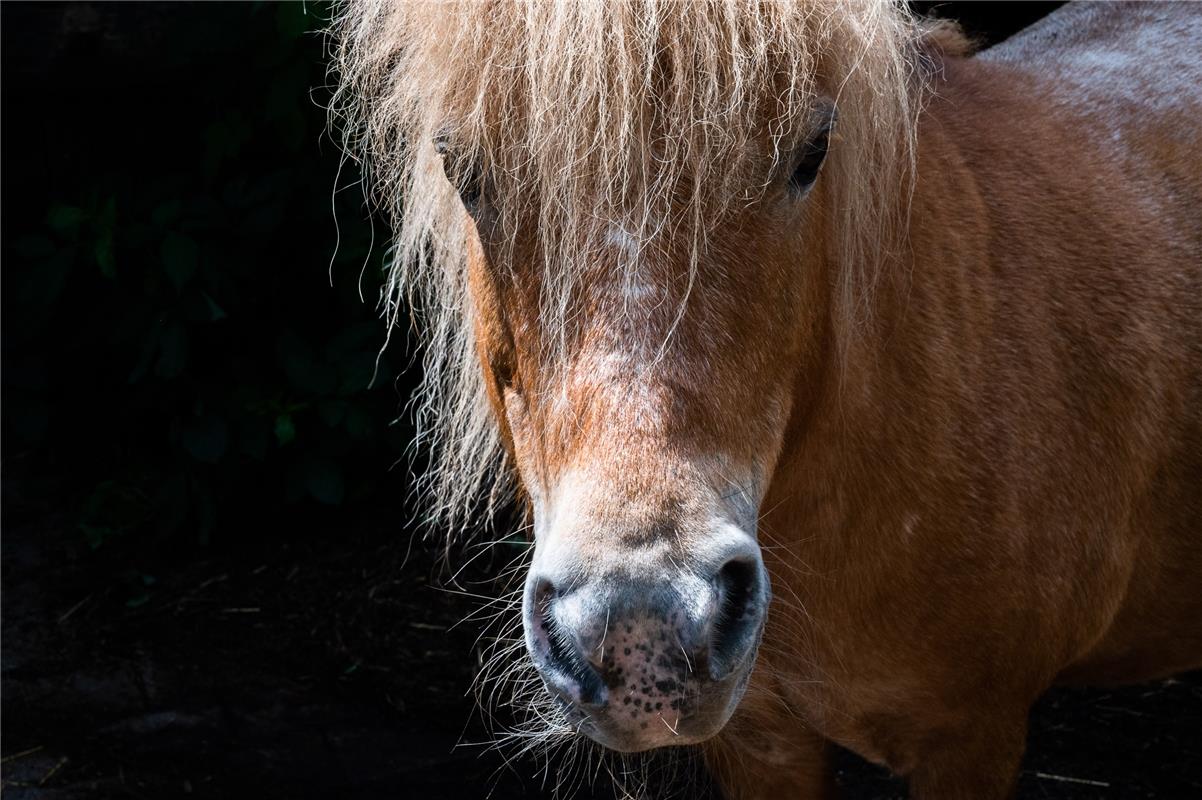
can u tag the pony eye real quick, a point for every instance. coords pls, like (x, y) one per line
(465, 178)
(813, 152)
(812, 156)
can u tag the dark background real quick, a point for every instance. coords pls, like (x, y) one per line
(210, 586)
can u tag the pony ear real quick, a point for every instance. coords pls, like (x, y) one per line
(812, 153)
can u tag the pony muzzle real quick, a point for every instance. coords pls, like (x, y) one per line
(643, 663)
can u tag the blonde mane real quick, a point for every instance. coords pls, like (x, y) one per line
(652, 113)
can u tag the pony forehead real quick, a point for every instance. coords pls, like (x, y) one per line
(616, 89)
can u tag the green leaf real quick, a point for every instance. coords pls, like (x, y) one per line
(285, 430)
(65, 220)
(357, 373)
(323, 480)
(180, 257)
(107, 217)
(103, 251)
(331, 411)
(165, 213)
(173, 351)
(358, 423)
(150, 345)
(225, 138)
(138, 600)
(311, 377)
(216, 312)
(96, 535)
(307, 372)
(205, 438)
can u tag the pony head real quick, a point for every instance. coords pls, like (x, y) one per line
(628, 230)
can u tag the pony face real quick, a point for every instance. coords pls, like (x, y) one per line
(644, 426)
(647, 260)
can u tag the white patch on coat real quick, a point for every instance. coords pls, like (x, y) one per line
(625, 242)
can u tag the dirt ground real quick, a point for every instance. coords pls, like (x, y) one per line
(323, 660)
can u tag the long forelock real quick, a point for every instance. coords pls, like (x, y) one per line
(650, 114)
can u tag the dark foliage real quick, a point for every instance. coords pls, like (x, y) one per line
(184, 332)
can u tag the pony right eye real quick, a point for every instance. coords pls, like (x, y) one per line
(465, 178)
(806, 171)
(813, 152)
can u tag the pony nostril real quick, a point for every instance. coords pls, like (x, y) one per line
(544, 594)
(569, 672)
(737, 621)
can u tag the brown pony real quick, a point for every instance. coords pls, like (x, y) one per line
(852, 382)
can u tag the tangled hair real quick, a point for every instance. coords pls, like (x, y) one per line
(655, 113)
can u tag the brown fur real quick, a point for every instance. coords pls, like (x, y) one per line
(1006, 494)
